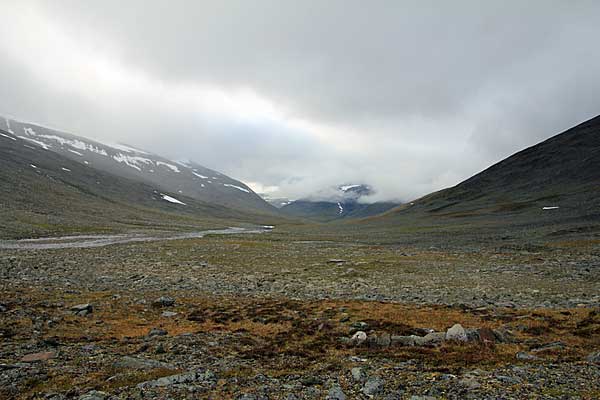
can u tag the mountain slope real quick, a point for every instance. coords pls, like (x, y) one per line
(552, 188)
(189, 179)
(45, 193)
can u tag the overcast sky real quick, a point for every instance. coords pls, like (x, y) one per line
(295, 96)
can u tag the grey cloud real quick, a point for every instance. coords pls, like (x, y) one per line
(428, 92)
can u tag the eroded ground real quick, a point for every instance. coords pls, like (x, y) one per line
(272, 317)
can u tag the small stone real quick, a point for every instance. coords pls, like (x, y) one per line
(402, 340)
(472, 335)
(358, 374)
(336, 393)
(469, 383)
(594, 357)
(344, 317)
(359, 338)
(311, 380)
(434, 338)
(82, 309)
(336, 261)
(521, 355)
(157, 332)
(549, 347)
(163, 301)
(35, 357)
(373, 386)
(384, 340)
(94, 395)
(168, 314)
(509, 380)
(503, 336)
(457, 332)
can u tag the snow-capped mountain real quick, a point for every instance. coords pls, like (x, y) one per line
(342, 201)
(188, 179)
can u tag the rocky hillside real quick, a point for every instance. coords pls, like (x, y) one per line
(557, 179)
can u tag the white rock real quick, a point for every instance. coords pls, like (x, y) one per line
(457, 332)
(359, 338)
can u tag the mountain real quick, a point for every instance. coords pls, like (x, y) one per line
(183, 178)
(342, 202)
(554, 182)
(43, 192)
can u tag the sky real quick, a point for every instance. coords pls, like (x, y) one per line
(293, 97)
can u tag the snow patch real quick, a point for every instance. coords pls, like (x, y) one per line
(171, 199)
(75, 152)
(341, 209)
(199, 176)
(33, 166)
(8, 126)
(236, 187)
(550, 208)
(132, 161)
(78, 144)
(41, 144)
(170, 166)
(29, 131)
(66, 169)
(125, 148)
(6, 136)
(345, 188)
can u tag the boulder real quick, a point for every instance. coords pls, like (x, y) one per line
(457, 333)
(373, 386)
(358, 338)
(336, 393)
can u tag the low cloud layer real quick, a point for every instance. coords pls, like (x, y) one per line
(294, 97)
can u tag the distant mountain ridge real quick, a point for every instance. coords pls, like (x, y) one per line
(343, 202)
(188, 179)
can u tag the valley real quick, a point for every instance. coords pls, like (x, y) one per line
(120, 284)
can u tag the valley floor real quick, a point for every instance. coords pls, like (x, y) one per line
(276, 316)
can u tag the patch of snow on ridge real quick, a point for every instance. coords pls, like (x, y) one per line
(78, 144)
(345, 188)
(236, 187)
(340, 208)
(29, 131)
(66, 169)
(171, 199)
(551, 208)
(132, 161)
(33, 166)
(75, 152)
(8, 126)
(199, 175)
(41, 144)
(170, 166)
(6, 136)
(125, 148)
